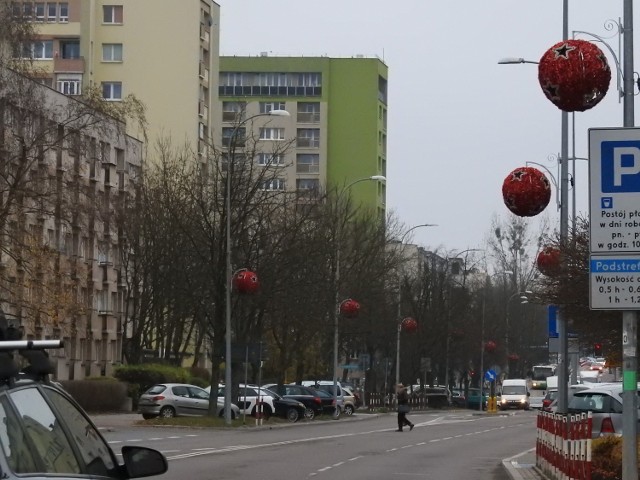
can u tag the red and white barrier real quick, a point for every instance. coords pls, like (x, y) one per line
(563, 445)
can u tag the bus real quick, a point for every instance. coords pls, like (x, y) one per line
(540, 374)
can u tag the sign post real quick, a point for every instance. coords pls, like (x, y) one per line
(614, 267)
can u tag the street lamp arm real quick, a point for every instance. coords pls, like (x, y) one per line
(514, 60)
(413, 228)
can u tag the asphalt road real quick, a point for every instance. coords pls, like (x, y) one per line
(444, 444)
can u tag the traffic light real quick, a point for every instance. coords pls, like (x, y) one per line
(597, 349)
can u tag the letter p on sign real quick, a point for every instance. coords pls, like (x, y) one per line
(621, 164)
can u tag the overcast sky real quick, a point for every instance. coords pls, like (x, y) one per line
(458, 122)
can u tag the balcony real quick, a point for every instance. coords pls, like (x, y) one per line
(68, 65)
(204, 73)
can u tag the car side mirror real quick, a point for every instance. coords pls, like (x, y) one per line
(528, 394)
(143, 462)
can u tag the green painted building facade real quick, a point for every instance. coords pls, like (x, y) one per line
(338, 116)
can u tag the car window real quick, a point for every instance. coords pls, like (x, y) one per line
(180, 391)
(594, 401)
(198, 393)
(249, 392)
(14, 444)
(156, 389)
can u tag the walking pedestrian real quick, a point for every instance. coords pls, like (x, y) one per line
(403, 407)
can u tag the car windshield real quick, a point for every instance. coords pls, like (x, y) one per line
(156, 389)
(513, 390)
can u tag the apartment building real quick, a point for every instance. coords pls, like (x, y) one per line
(338, 119)
(165, 52)
(68, 171)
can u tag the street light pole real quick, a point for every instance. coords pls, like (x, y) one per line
(523, 299)
(228, 270)
(336, 279)
(399, 316)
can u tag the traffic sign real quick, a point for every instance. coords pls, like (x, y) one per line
(490, 375)
(614, 190)
(614, 282)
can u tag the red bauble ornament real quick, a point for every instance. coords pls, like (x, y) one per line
(526, 191)
(514, 357)
(490, 346)
(574, 75)
(350, 308)
(246, 281)
(409, 325)
(548, 261)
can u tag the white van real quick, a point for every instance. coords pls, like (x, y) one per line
(514, 393)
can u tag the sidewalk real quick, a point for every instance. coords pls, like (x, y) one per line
(523, 466)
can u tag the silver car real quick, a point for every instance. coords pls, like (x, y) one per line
(604, 400)
(178, 399)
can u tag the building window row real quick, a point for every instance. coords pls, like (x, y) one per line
(51, 12)
(256, 91)
(270, 79)
(235, 111)
(40, 50)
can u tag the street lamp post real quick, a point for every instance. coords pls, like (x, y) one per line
(336, 279)
(399, 316)
(228, 268)
(523, 299)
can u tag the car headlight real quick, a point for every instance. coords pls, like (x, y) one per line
(523, 400)
(504, 400)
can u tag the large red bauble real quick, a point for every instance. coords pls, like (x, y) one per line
(526, 191)
(409, 325)
(350, 308)
(548, 261)
(490, 346)
(246, 281)
(574, 75)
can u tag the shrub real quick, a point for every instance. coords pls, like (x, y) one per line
(108, 395)
(606, 458)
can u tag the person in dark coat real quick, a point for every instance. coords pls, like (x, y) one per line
(403, 407)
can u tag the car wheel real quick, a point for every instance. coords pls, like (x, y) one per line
(309, 414)
(336, 413)
(148, 416)
(293, 415)
(233, 414)
(348, 410)
(167, 412)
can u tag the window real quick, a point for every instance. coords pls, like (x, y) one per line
(233, 111)
(69, 86)
(308, 137)
(267, 133)
(42, 50)
(307, 184)
(70, 49)
(112, 14)
(308, 112)
(273, 184)
(111, 52)
(112, 91)
(27, 11)
(269, 159)
(52, 12)
(266, 107)
(63, 15)
(39, 9)
(229, 137)
(307, 163)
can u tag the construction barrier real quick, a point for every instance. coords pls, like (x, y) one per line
(563, 445)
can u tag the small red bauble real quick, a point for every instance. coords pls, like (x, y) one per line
(574, 75)
(514, 357)
(246, 281)
(350, 308)
(490, 346)
(548, 261)
(526, 191)
(409, 325)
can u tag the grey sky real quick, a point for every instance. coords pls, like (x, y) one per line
(458, 121)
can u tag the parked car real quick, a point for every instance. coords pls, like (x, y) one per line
(434, 397)
(473, 398)
(458, 398)
(605, 402)
(328, 402)
(350, 401)
(251, 398)
(553, 395)
(179, 399)
(327, 386)
(549, 398)
(46, 434)
(305, 395)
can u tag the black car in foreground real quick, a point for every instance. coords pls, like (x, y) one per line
(304, 395)
(46, 434)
